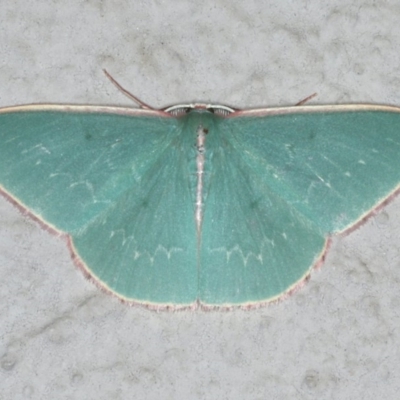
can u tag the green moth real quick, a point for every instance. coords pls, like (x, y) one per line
(199, 205)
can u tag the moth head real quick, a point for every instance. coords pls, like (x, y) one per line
(183, 109)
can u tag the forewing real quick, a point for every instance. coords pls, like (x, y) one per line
(333, 165)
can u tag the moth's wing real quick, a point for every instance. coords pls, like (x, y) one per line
(280, 185)
(117, 184)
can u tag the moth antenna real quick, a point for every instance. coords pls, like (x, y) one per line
(126, 93)
(300, 103)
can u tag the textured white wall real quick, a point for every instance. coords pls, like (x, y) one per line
(335, 339)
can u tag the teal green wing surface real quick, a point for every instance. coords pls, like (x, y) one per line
(119, 185)
(280, 184)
